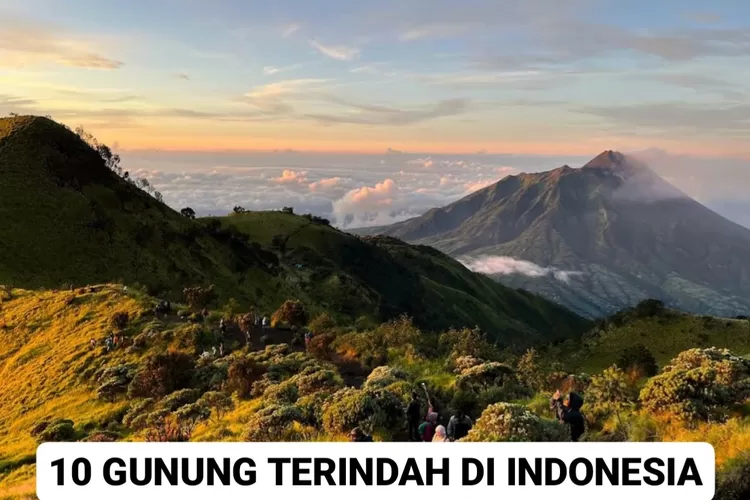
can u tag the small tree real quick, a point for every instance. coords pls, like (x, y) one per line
(219, 402)
(288, 210)
(511, 422)
(242, 374)
(528, 371)
(291, 313)
(610, 393)
(188, 212)
(322, 323)
(238, 210)
(189, 416)
(639, 358)
(245, 321)
(162, 374)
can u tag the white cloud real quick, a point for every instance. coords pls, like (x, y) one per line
(338, 52)
(324, 184)
(291, 176)
(271, 70)
(494, 265)
(290, 29)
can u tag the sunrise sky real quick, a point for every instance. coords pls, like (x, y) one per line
(545, 77)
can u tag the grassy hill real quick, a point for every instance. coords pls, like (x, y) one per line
(620, 232)
(348, 275)
(664, 334)
(66, 219)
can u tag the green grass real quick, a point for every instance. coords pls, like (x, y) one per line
(665, 336)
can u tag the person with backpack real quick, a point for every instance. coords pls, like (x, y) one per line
(413, 415)
(427, 429)
(459, 426)
(568, 412)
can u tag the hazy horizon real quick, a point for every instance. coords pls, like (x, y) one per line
(198, 95)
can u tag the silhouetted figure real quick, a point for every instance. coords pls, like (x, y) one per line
(569, 413)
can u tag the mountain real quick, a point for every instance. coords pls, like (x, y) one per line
(595, 239)
(66, 219)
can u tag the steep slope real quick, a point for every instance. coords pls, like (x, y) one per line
(388, 277)
(66, 219)
(621, 233)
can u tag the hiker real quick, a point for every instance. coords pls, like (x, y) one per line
(248, 339)
(459, 426)
(308, 338)
(359, 436)
(569, 413)
(427, 429)
(204, 313)
(441, 435)
(265, 322)
(213, 351)
(221, 350)
(93, 343)
(108, 344)
(222, 326)
(413, 416)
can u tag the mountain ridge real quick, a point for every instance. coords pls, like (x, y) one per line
(613, 220)
(68, 220)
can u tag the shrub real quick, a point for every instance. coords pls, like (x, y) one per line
(291, 313)
(383, 376)
(733, 480)
(161, 426)
(638, 357)
(198, 298)
(272, 423)
(138, 409)
(320, 345)
(321, 323)
(350, 408)
(466, 342)
(312, 381)
(103, 437)
(462, 363)
(699, 384)
(484, 375)
(189, 416)
(610, 393)
(58, 430)
(285, 393)
(219, 402)
(528, 371)
(162, 374)
(311, 408)
(120, 320)
(510, 422)
(242, 373)
(114, 381)
(178, 399)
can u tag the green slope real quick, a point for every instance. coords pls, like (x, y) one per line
(67, 219)
(342, 273)
(665, 335)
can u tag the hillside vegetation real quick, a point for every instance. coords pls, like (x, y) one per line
(67, 219)
(163, 380)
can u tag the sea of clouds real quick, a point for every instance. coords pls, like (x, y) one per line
(358, 190)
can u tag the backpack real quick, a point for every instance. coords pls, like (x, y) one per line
(461, 429)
